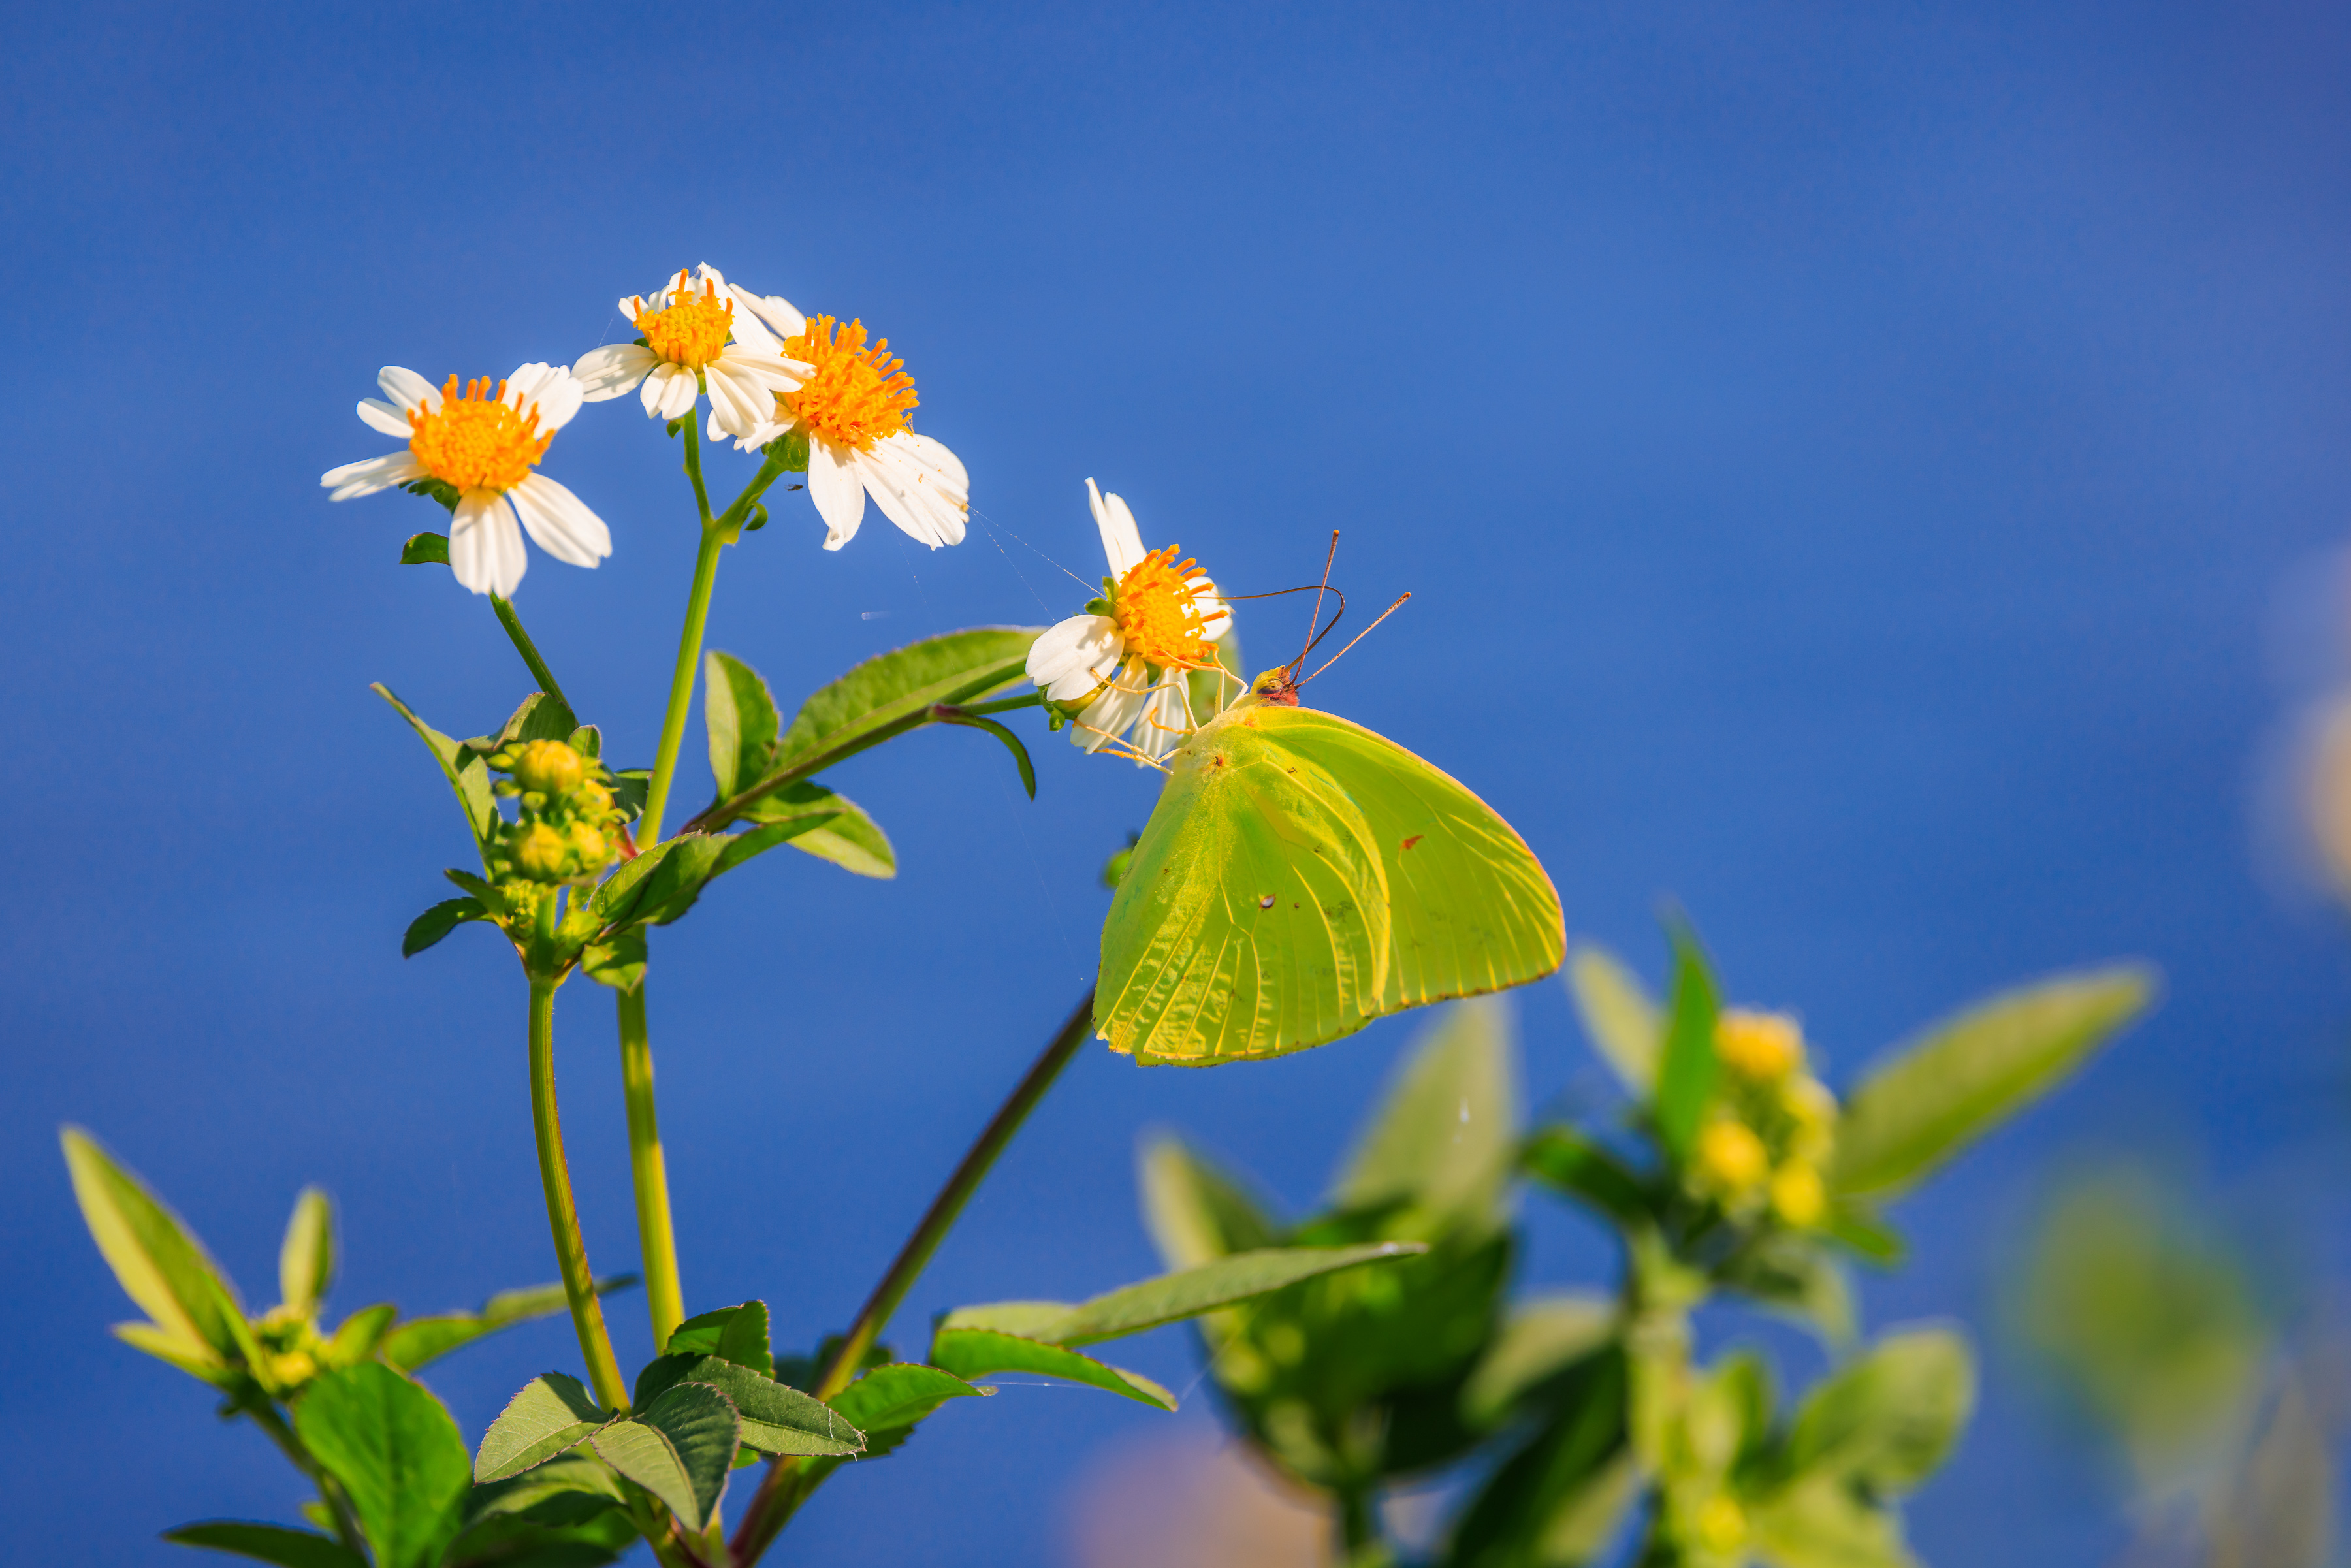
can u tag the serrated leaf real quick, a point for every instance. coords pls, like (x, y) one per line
(439, 920)
(425, 549)
(563, 1490)
(888, 1400)
(680, 1448)
(397, 1454)
(1194, 1212)
(277, 1543)
(740, 715)
(305, 1259)
(953, 667)
(840, 831)
(776, 1419)
(159, 1262)
(422, 1340)
(737, 1333)
(468, 776)
(1171, 1297)
(1929, 1099)
(1688, 1068)
(1445, 1137)
(1617, 1013)
(974, 1353)
(662, 883)
(551, 1415)
(1541, 1338)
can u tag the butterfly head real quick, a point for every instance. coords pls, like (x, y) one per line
(1276, 687)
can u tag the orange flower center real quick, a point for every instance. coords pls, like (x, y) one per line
(691, 329)
(1160, 617)
(477, 442)
(858, 396)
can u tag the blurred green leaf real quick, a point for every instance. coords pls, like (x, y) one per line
(1930, 1099)
(741, 718)
(464, 768)
(551, 1415)
(438, 921)
(422, 1340)
(1858, 1228)
(361, 1332)
(1446, 1136)
(775, 1419)
(1794, 1274)
(836, 828)
(268, 1543)
(1822, 1523)
(1624, 1023)
(1890, 1416)
(305, 1259)
(425, 549)
(737, 1333)
(1565, 1160)
(1559, 1499)
(397, 1454)
(679, 1447)
(1541, 1338)
(1196, 1213)
(1172, 1297)
(161, 1265)
(974, 1353)
(508, 1541)
(1687, 1073)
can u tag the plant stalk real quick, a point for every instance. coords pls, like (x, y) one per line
(657, 1240)
(529, 650)
(562, 1214)
(681, 683)
(347, 1525)
(770, 1506)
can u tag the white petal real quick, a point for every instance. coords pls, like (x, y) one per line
(911, 493)
(838, 492)
(484, 545)
(739, 405)
(1122, 542)
(750, 331)
(678, 392)
(548, 389)
(365, 478)
(769, 369)
(406, 388)
(1165, 721)
(1109, 716)
(1085, 646)
(377, 414)
(561, 523)
(609, 371)
(776, 312)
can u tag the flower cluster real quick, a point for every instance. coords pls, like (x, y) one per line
(1772, 1127)
(569, 827)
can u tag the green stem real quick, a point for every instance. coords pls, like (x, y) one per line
(1360, 1545)
(529, 650)
(562, 1215)
(347, 1525)
(681, 684)
(770, 1506)
(656, 1239)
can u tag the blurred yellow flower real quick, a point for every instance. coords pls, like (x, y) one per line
(1761, 1046)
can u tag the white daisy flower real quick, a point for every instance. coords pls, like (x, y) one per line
(1126, 658)
(852, 410)
(483, 445)
(697, 335)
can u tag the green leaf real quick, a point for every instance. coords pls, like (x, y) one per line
(422, 1340)
(954, 667)
(397, 1454)
(629, 787)
(1822, 1525)
(305, 1259)
(468, 776)
(838, 829)
(679, 1447)
(161, 1266)
(268, 1543)
(1445, 1139)
(1857, 1226)
(738, 1334)
(542, 716)
(1888, 1418)
(1930, 1099)
(776, 1419)
(974, 1353)
(1565, 1160)
(888, 1400)
(587, 741)
(1558, 1497)
(552, 1415)
(438, 921)
(1194, 1212)
(662, 883)
(1542, 1338)
(1624, 1023)
(1173, 1297)
(363, 1331)
(1795, 1275)
(425, 549)
(741, 718)
(568, 1489)
(1687, 1074)
(508, 1542)
(1011, 742)
(618, 961)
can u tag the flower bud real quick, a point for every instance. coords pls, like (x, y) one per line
(1731, 1156)
(1798, 1197)
(592, 849)
(549, 768)
(1761, 1046)
(1721, 1524)
(538, 852)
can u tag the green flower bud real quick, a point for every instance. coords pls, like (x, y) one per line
(549, 768)
(538, 852)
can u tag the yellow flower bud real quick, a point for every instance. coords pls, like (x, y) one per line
(1761, 1046)
(1798, 1197)
(593, 850)
(1721, 1524)
(1731, 1156)
(549, 766)
(538, 852)
(292, 1369)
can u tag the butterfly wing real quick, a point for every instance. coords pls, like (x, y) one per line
(1471, 910)
(1252, 919)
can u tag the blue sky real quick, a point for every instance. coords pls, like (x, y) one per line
(1847, 461)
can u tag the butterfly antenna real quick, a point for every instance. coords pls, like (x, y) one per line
(1316, 619)
(1359, 636)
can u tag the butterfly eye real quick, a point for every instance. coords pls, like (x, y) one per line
(1266, 902)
